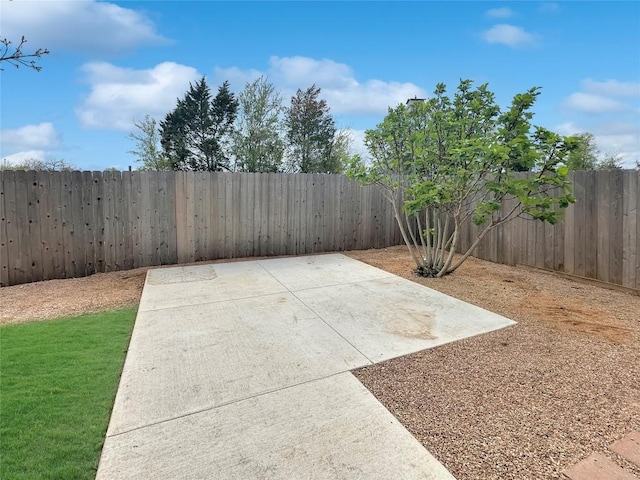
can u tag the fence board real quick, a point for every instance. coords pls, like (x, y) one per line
(35, 245)
(590, 201)
(190, 214)
(603, 212)
(579, 217)
(155, 202)
(228, 216)
(87, 222)
(10, 230)
(171, 226)
(629, 229)
(202, 210)
(637, 264)
(615, 227)
(128, 221)
(136, 220)
(97, 193)
(4, 248)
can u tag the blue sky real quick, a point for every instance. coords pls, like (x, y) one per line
(113, 62)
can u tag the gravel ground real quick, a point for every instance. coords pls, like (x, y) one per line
(524, 402)
(528, 401)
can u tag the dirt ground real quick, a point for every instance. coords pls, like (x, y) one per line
(524, 402)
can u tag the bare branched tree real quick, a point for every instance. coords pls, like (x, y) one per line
(14, 55)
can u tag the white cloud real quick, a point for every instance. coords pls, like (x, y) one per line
(236, 77)
(568, 128)
(20, 157)
(590, 103)
(357, 142)
(549, 7)
(120, 95)
(339, 87)
(503, 12)
(509, 35)
(611, 138)
(30, 137)
(612, 88)
(79, 26)
(618, 138)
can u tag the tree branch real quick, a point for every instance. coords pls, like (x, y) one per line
(18, 57)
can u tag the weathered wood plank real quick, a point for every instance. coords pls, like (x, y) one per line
(136, 219)
(629, 228)
(579, 217)
(590, 223)
(165, 213)
(4, 255)
(569, 234)
(615, 227)
(67, 223)
(228, 215)
(637, 263)
(47, 201)
(88, 223)
(263, 213)
(12, 237)
(171, 225)
(604, 239)
(249, 195)
(98, 204)
(202, 210)
(181, 220)
(128, 221)
(154, 221)
(300, 202)
(236, 195)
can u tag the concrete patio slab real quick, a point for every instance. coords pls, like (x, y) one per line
(187, 359)
(390, 317)
(240, 370)
(332, 428)
(198, 284)
(300, 273)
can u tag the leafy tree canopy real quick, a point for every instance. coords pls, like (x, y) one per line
(258, 145)
(447, 161)
(311, 134)
(147, 146)
(48, 165)
(196, 134)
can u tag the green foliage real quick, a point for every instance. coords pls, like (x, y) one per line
(48, 165)
(609, 162)
(446, 161)
(585, 155)
(311, 134)
(148, 149)
(196, 134)
(257, 141)
(57, 387)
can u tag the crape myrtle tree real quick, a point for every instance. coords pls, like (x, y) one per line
(196, 134)
(315, 145)
(257, 144)
(448, 161)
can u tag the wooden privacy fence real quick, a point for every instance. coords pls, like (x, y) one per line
(73, 224)
(598, 237)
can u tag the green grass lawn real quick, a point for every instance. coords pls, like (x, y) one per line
(58, 380)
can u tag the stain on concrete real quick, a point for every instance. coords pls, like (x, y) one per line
(411, 324)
